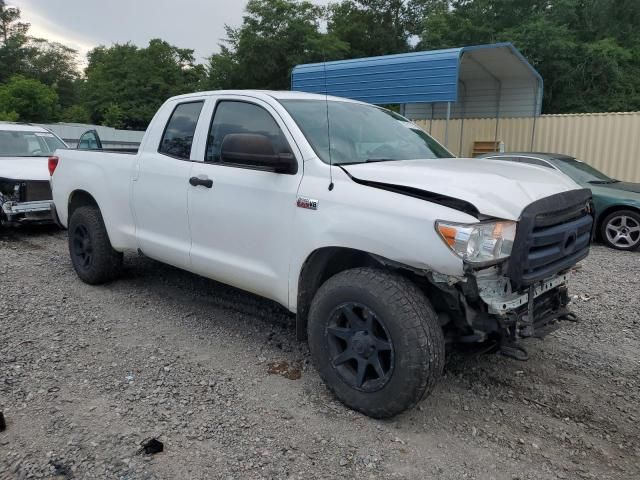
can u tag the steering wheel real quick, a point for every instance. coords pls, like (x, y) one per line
(391, 151)
(383, 151)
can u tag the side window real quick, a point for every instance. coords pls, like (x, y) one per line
(178, 135)
(90, 141)
(34, 144)
(241, 117)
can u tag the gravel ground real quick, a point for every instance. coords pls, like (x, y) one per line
(87, 373)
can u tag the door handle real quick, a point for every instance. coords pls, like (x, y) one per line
(201, 182)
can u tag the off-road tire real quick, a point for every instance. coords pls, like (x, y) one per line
(634, 237)
(105, 263)
(415, 333)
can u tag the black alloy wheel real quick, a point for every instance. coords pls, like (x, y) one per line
(82, 249)
(360, 347)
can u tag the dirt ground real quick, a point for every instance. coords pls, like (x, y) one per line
(87, 373)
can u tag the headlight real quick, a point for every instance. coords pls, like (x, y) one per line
(479, 242)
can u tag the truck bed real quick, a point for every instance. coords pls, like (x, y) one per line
(107, 175)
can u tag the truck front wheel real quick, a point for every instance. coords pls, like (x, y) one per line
(375, 341)
(94, 259)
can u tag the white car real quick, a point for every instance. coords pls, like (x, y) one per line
(350, 216)
(25, 192)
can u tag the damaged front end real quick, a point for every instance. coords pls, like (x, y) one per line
(25, 201)
(525, 295)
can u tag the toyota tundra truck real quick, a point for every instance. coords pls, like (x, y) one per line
(386, 248)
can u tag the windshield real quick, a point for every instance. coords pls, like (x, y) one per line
(361, 133)
(28, 144)
(582, 172)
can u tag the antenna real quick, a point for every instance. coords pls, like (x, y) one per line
(326, 101)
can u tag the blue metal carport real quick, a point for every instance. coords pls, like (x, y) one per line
(469, 82)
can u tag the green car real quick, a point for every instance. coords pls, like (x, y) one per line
(617, 203)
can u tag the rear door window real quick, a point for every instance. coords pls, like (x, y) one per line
(242, 117)
(178, 135)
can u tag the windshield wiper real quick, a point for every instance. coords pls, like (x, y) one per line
(370, 160)
(603, 182)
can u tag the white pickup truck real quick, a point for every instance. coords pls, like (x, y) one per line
(385, 247)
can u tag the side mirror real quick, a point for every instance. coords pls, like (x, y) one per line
(257, 151)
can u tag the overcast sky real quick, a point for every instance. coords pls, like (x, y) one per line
(84, 24)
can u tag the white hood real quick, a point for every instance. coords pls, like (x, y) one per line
(24, 168)
(498, 189)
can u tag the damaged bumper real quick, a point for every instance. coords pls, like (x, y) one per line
(531, 313)
(25, 201)
(527, 295)
(13, 208)
(28, 212)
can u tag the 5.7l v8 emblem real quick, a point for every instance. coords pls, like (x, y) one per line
(309, 203)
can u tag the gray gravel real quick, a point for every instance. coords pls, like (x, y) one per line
(87, 373)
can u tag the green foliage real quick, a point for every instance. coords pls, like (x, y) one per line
(114, 116)
(275, 36)
(373, 27)
(10, 27)
(9, 116)
(50, 63)
(75, 114)
(587, 51)
(55, 65)
(32, 100)
(137, 81)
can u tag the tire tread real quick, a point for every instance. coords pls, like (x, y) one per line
(415, 313)
(107, 261)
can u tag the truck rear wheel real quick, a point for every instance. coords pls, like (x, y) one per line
(375, 341)
(94, 259)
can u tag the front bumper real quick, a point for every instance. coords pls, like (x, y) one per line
(495, 292)
(509, 316)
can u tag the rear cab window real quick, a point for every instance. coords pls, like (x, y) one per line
(177, 138)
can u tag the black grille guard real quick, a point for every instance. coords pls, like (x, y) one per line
(554, 233)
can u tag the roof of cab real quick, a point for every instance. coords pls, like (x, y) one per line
(266, 94)
(21, 127)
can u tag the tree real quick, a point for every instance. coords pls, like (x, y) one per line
(32, 100)
(13, 40)
(275, 36)
(587, 51)
(137, 81)
(51, 63)
(75, 114)
(114, 116)
(374, 27)
(55, 65)
(9, 116)
(9, 25)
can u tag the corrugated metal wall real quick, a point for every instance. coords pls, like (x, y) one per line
(608, 141)
(430, 76)
(478, 81)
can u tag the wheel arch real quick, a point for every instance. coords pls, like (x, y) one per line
(80, 198)
(323, 263)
